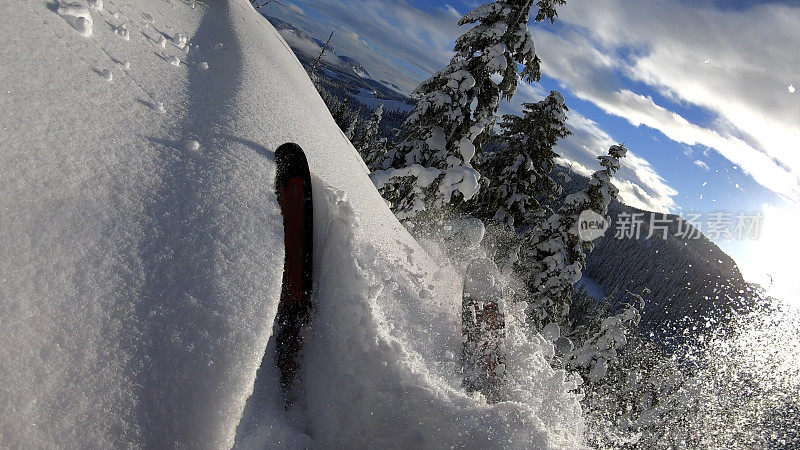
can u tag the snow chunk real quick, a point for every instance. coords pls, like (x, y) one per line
(107, 74)
(78, 16)
(437, 140)
(791, 88)
(179, 40)
(122, 31)
(203, 66)
(96, 5)
(551, 332)
(191, 145)
(598, 371)
(563, 345)
(218, 46)
(175, 61)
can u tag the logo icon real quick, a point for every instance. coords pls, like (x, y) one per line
(591, 225)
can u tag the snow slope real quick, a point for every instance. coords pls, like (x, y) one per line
(141, 252)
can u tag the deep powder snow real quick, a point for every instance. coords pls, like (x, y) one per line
(141, 247)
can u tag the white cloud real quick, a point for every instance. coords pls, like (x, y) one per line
(296, 9)
(392, 39)
(720, 60)
(639, 183)
(701, 164)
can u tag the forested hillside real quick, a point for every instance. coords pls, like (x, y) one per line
(687, 275)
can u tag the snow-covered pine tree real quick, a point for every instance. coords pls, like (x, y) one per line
(603, 340)
(554, 255)
(352, 129)
(375, 153)
(518, 170)
(341, 113)
(457, 106)
(366, 135)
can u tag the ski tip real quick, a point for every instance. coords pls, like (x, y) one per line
(291, 161)
(287, 149)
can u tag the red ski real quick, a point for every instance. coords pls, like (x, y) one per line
(293, 187)
(483, 330)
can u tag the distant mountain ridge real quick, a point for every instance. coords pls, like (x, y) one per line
(687, 277)
(342, 76)
(356, 66)
(302, 42)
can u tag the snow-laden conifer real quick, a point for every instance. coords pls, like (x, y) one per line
(519, 168)
(352, 129)
(554, 254)
(366, 134)
(457, 106)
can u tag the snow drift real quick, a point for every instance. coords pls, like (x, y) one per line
(141, 245)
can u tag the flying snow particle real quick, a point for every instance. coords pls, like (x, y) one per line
(203, 66)
(551, 332)
(791, 88)
(191, 145)
(218, 46)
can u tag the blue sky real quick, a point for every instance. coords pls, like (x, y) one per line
(701, 93)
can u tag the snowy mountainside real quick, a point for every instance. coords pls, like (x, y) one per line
(686, 277)
(142, 253)
(356, 66)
